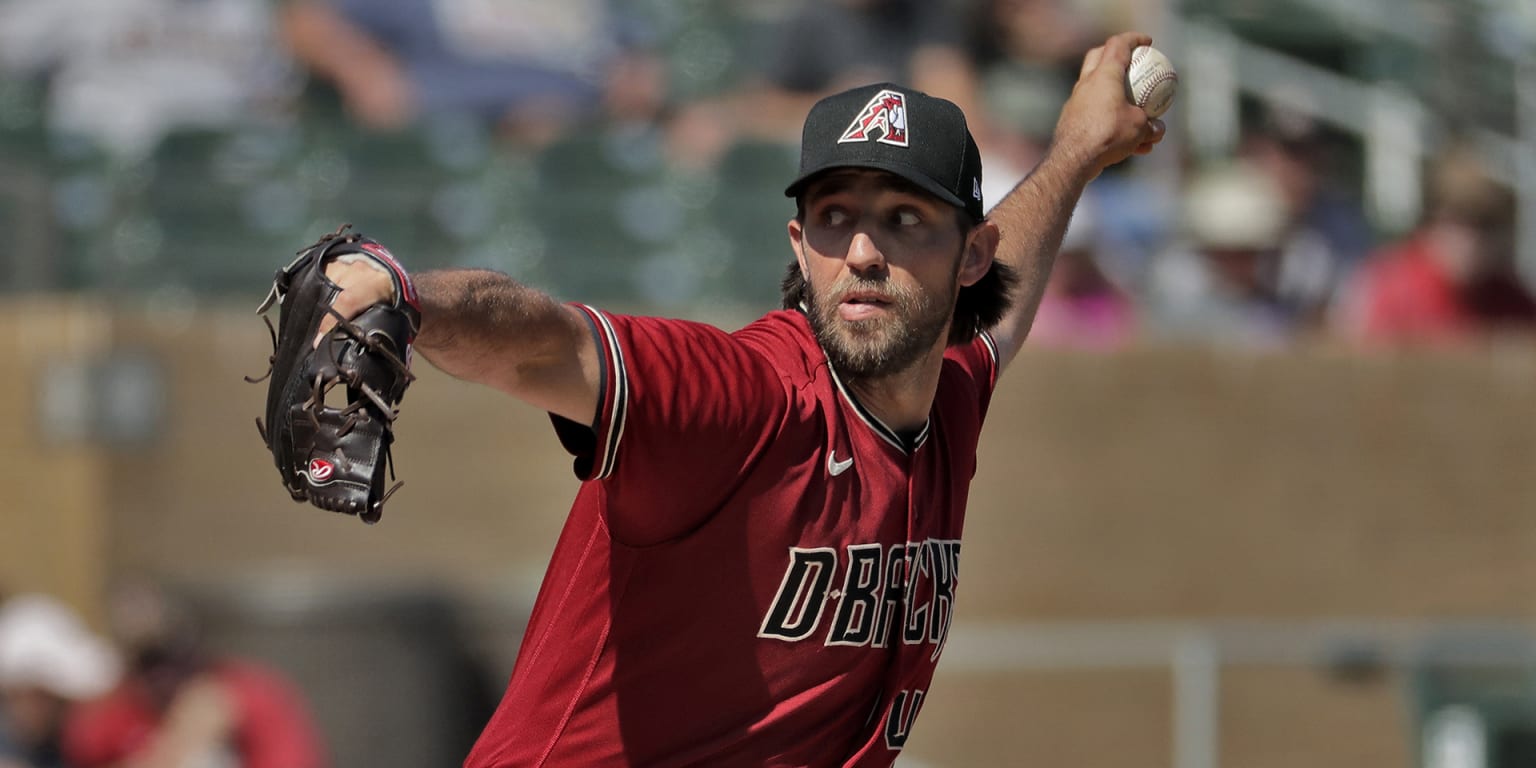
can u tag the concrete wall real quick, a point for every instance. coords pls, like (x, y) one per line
(54, 488)
(1201, 484)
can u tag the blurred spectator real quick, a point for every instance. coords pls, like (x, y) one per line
(179, 705)
(1049, 36)
(828, 46)
(1027, 54)
(1081, 307)
(126, 72)
(532, 66)
(1454, 276)
(49, 662)
(1326, 234)
(1218, 282)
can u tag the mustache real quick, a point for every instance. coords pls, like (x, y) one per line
(884, 289)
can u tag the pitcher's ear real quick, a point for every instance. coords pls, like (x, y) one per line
(980, 248)
(797, 243)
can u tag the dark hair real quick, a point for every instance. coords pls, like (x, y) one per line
(979, 305)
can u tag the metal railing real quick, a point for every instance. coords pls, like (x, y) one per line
(1395, 128)
(1196, 652)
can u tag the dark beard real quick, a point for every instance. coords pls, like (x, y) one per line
(870, 349)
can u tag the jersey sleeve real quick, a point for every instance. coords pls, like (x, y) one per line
(683, 409)
(977, 363)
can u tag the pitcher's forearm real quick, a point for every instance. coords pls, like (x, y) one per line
(484, 326)
(1098, 127)
(1033, 220)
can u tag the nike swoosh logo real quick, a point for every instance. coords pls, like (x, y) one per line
(838, 467)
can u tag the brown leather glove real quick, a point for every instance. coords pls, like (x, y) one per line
(334, 456)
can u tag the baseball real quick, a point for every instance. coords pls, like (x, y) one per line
(1151, 81)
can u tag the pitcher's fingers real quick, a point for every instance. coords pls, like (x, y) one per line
(326, 324)
(1127, 41)
(1155, 132)
(1091, 61)
(1116, 52)
(344, 307)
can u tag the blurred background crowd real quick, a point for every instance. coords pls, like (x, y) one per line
(1344, 174)
(153, 696)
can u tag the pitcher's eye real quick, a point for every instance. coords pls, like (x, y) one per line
(908, 218)
(835, 217)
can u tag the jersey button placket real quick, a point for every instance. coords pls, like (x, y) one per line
(914, 509)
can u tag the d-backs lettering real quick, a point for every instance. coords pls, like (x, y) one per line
(874, 589)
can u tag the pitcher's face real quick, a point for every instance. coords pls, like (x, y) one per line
(881, 260)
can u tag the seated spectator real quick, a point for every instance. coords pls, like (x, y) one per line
(1218, 282)
(1027, 53)
(49, 663)
(1326, 234)
(1081, 307)
(531, 66)
(830, 46)
(124, 73)
(181, 705)
(826, 47)
(1453, 278)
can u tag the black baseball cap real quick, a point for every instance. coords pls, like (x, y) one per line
(921, 138)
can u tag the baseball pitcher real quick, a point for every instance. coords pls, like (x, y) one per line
(761, 565)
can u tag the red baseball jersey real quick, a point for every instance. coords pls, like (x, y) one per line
(756, 572)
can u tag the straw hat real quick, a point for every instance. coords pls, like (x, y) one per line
(1234, 206)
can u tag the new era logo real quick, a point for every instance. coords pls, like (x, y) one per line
(883, 119)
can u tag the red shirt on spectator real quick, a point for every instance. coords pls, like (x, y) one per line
(271, 724)
(1404, 294)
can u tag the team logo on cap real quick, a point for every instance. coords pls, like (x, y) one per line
(884, 116)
